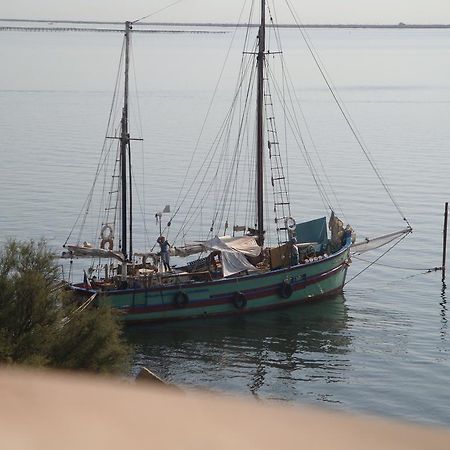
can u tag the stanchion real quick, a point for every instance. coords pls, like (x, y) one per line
(444, 243)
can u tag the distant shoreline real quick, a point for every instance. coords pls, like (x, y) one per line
(400, 26)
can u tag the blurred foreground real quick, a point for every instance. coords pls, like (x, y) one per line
(48, 410)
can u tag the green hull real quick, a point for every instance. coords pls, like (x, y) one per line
(251, 293)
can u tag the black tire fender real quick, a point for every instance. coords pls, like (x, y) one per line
(286, 289)
(181, 299)
(240, 300)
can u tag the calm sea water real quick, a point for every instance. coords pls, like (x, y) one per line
(382, 347)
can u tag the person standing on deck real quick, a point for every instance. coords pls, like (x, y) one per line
(165, 252)
(295, 257)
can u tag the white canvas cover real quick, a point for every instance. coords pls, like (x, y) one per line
(232, 260)
(244, 244)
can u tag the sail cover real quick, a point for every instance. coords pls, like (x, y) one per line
(246, 245)
(232, 261)
(188, 249)
(90, 252)
(377, 242)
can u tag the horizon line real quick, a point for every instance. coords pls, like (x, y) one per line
(234, 25)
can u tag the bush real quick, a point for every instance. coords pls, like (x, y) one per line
(38, 325)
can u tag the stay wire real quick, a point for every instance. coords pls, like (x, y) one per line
(283, 87)
(415, 269)
(208, 112)
(322, 188)
(280, 93)
(191, 214)
(232, 175)
(298, 137)
(212, 152)
(142, 204)
(157, 11)
(380, 285)
(86, 205)
(236, 174)
(344, 114)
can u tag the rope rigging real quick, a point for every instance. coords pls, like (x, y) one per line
(298, 137)
(102, 158)
(377, 259)
(157, 11)
(107, 197)
(339, 104)
(294, 100)
(208, 112)
(415, 269)
(233, 174)
(280, 192)
(224, 189)
(231, 171)
(224, 130)
(287, 79)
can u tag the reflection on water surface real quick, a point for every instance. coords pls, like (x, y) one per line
(265, 354)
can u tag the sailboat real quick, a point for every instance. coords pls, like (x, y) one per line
(224, 274)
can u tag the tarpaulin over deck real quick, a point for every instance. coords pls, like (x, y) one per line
(244, 244)
(232, 261)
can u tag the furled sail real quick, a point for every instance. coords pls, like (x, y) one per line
(246, 245)
(184, 251)
(377, 242)
(84, 251)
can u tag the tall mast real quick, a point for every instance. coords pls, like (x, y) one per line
(124, 144)
(260, 125)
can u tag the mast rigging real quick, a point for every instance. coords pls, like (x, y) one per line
(260, 127)
(124, 145)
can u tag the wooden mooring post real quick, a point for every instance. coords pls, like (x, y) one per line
(444, 242)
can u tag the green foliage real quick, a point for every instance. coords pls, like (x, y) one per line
(38, 322)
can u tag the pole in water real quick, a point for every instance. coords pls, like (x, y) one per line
(444, 243)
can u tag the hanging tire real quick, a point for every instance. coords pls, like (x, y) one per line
(286, 289)
(107, 232)
(240, 300)
(107, 244)
(181, 299)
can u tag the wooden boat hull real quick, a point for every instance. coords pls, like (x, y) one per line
(231, 296)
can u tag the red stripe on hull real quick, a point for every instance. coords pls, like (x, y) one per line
(250, 295)
(266, 308)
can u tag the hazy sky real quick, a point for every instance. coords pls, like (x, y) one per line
(310, 11)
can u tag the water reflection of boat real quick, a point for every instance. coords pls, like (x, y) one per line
(279, 348)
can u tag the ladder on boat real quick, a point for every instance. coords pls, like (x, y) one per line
(281, 203)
